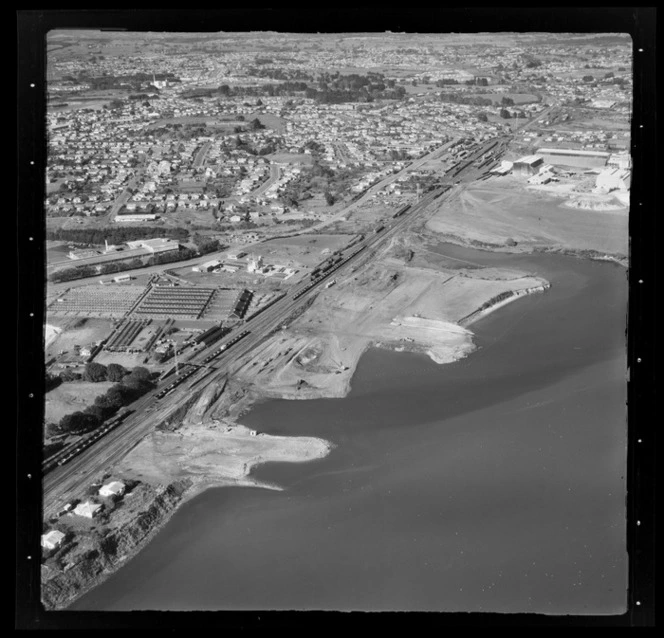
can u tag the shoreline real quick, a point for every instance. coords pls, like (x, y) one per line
(579, 253)
(202, 477)
(101, 555)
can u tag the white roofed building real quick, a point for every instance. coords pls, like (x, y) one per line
(114, 488)
(87, 509)
(52, 539)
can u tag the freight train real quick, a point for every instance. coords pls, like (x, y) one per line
(74, 449)
(325, 269)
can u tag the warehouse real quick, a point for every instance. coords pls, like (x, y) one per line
(137, 217)
(208, 266)
(528, 165)
(572, 157)
(158, 245)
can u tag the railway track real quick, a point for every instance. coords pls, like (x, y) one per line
(66, 481)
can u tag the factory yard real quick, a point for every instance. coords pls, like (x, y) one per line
(502, 208)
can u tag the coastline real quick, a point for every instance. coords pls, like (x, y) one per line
(192, 471)
(210, 449)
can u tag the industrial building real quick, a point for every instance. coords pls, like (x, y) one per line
(135, 249)
(157, 245)
(208, 266)
(528, 165)
(136, 217)
(503, 169)
(575, 158)
(612, 179)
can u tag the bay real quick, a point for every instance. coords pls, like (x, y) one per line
(496, 483)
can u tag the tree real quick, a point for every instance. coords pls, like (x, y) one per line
(588, 78)
(95, 372)
(115, 372)
(507, 101)
(505, 114)
(52, 381)
(140, 373)
(329, 198)
(69, 376)
(482, 117)
(78, 423)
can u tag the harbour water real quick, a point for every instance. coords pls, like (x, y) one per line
(496, 483)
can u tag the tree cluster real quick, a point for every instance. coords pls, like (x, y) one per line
(120, 235)
(132, 386)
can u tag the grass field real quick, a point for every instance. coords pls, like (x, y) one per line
(70, 397)
(80, 332)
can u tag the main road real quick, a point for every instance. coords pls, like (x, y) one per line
(71, 480)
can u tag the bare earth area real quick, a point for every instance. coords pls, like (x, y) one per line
(501, 208)
(214, 453)
(404, 297)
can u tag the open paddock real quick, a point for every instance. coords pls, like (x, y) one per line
(76, 332)
(70, 397)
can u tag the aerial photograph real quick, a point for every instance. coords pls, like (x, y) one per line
(336, 321)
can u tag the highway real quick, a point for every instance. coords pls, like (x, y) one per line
(71, 480)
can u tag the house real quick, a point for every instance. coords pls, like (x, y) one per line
(114, 488)
(87, 509)
(52, 539)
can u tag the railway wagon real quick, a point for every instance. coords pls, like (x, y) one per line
(401, 211)
(74, 449)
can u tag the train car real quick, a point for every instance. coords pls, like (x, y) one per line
(401, 211)
(74, 449)
(379, 229)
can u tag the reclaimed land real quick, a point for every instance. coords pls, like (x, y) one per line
(401, 298)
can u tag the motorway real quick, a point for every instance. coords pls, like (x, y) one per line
(71, 480)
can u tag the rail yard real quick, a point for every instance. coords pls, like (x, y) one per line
(67, 474)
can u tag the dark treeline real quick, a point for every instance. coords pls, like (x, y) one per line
(69, 274)
(132, 386)
(327, 88)
(97, 236)
(133, 80)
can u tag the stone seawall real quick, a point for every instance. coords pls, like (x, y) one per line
(499, 301)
